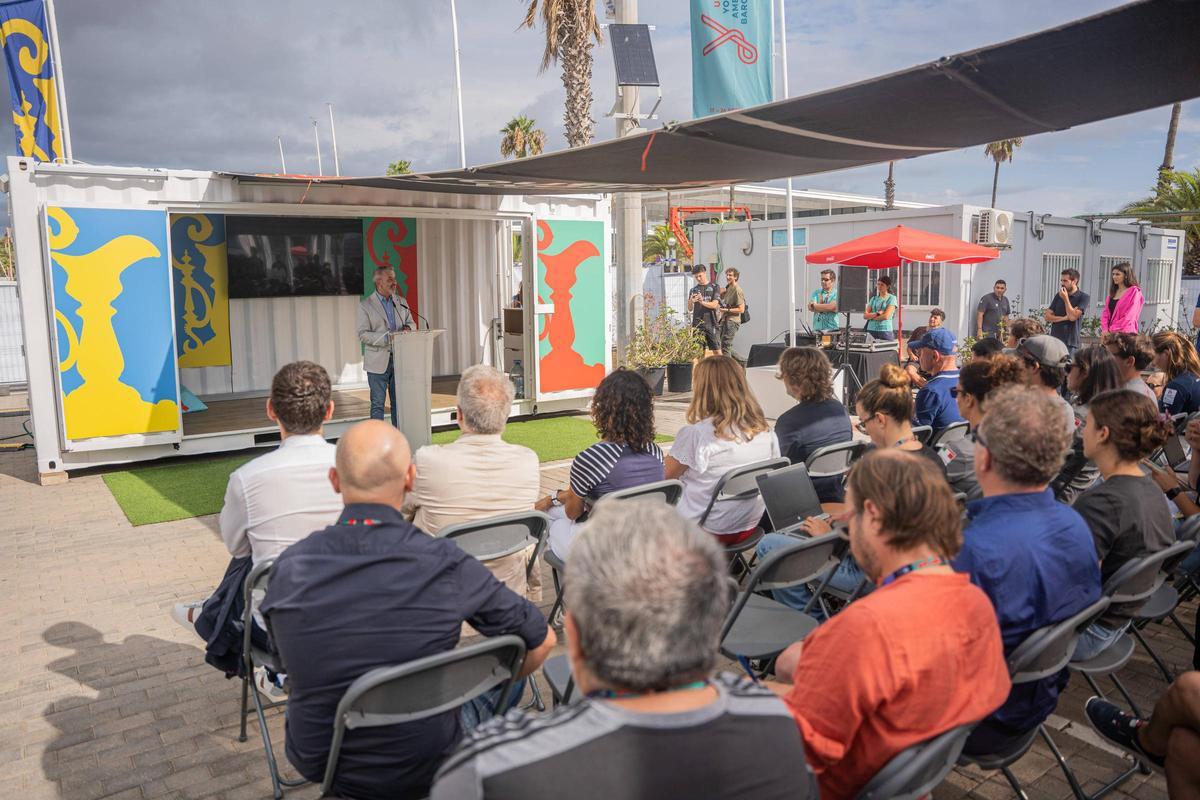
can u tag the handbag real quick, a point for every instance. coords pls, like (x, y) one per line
(745, 311)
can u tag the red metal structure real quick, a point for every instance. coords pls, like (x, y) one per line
(674, 223)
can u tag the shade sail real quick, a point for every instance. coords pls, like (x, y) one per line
(1134, 57)
(889, 248)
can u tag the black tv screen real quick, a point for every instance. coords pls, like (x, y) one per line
(294, 256)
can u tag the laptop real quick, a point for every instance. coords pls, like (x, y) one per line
(790, 497)
(1175, 454)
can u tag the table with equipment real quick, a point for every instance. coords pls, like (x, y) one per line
(865, 364)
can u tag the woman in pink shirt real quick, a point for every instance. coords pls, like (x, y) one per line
(1124, 303)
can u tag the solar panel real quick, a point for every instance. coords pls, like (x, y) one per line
(633, 55)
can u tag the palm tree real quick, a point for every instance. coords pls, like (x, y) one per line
(1180, 193)
(521, 138)
(1168, 165)
(656, 244)
(571, 30)
(889, 188)
(1000, 152)
(400, 167)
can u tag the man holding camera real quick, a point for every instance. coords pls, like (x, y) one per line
(703, 302)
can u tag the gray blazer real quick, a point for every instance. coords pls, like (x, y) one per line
(373, 330)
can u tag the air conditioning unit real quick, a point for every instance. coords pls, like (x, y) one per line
(995, 228)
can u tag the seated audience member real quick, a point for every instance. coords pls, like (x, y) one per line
(939, 358)
(885, 407)
(1023, 328)
(912, 359)
(937, 318)
(1169, 739)
(625, 456)
(271, 503)
(479, 474)
(726, 429)
(882, 675)
(1134, 354)
(1032, 556)
(817, 420)
(986, 348)
(1126, 512)
(1045, 359)
(646, 599)
(1157, 381)
(1175, 355)
(976, 382)
(1092, 371)
(369, 591)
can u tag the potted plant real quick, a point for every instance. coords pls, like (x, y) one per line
(687, 346)
(649, 349)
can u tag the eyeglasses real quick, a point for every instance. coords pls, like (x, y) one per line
(977, 438)
(861, 427)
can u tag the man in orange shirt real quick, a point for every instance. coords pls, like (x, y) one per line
(918, 656)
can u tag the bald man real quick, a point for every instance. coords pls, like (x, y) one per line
(373, 590)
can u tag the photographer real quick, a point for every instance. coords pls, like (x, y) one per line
(733, 307)
(703, 302)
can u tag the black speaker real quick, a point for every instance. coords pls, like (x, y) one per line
(855, 287)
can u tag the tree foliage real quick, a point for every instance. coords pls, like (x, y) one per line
(400, 167)
(520, 138)
(1000, 151)
(1180, 192)
(571, 30)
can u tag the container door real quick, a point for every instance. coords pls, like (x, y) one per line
(111, 297)
(571, 308)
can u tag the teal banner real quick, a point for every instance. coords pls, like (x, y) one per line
(731, 55)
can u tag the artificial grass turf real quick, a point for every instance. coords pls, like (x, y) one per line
(194, 488)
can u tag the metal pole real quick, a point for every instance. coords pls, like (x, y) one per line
(337, 166)
(282, 163)
(317, 141)
(791, 220)
(462, 141)
(60, 83)
(627, 215)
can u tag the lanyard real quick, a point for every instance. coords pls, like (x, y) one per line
(924, 563)
(611, 694)
(367, 522)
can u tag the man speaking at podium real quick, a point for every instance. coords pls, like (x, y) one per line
(380, 315)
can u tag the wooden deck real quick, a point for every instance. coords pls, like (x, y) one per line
(250, 413)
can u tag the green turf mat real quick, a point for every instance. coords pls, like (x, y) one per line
(195, 487)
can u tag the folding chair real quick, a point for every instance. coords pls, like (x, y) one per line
(1043, 654)
(741, 484)
(557, 672)
(1162, 604)
(256, 584)
(760, 628)
(952, 432)
(916, 771)
(923, 433)
(424, 688)
(669, 491)
(834, 460)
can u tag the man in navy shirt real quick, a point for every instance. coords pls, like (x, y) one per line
(371, 591)
(938, 356)
(1032, 556)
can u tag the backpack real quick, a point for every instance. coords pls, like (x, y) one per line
(745, 311)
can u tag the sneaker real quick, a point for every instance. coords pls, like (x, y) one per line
(271, 684)
(1119, 727)
(185, 613)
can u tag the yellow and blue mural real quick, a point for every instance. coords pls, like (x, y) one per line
(23, 35)
(115, 322)
(200, 270)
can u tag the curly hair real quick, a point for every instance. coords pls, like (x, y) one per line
(1024, 328)
(807, 373)
(980, 377)
(1024, 432)
(623, 410)
(1135, 428)
(300, 394)
(1125, 345)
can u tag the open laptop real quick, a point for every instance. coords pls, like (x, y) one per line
(790, 497)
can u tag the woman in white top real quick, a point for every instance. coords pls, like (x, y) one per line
(727, 430)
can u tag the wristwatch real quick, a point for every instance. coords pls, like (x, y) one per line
(1173, 493)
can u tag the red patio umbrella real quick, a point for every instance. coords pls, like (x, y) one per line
(892, 247)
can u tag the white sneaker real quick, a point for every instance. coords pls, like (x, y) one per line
(273, 690)
(185, 613)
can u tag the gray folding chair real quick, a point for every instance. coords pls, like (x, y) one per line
(669, 491)
(253, 655)
(557, 672)
(923, 433)
(424, 688)
(1043, 654)
(952, 432)
(916, 771)
(741, 484)
(759, 627)
(834, 460)
(1161, 605)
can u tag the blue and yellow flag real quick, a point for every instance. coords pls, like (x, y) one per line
(24, 34)
(731, 55)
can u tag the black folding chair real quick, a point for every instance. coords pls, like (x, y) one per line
(952, 432)
(1161, 605)
(916, 771)
(253, 655)
(424, 688)
(759, 627)
(1043, 654)
(741, 484)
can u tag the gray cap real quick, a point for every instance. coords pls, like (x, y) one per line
(1046, 350)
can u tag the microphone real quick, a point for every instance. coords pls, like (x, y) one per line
(413, 313)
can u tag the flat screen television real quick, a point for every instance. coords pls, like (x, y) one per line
(294, 256)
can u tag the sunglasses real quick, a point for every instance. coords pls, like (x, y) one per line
(977, 437)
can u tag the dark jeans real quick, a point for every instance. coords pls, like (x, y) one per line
(482, 708)
(885, 336)
(380, 384)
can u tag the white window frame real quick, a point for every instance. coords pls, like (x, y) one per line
(1053, 266)
(919, 275)
(797, 231)
(1160, 279)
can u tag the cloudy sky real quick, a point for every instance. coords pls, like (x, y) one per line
(210, 85)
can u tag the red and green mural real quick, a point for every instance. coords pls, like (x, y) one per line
(570, 274)
(391, 242)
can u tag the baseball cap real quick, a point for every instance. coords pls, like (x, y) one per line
(1045, 350)
(941, 340)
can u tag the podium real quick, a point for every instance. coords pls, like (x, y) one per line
(412, 361)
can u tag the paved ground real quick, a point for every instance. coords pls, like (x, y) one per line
(105, 697)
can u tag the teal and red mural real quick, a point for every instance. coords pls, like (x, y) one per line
(570, 274)
(391, 242)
